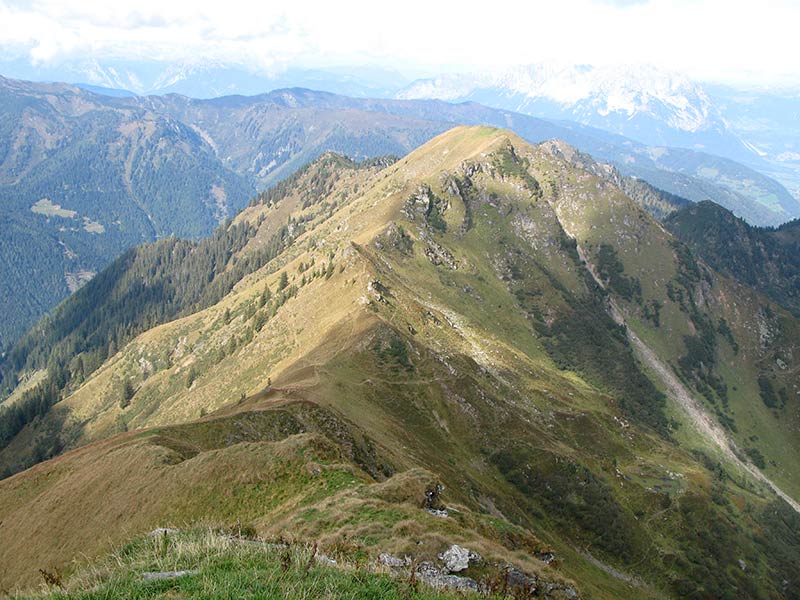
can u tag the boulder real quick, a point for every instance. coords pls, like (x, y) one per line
(457, 558)
(438, 579)
(392, 561)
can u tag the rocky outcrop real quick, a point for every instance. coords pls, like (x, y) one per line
(457, 558)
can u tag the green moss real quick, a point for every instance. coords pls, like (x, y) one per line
(712, 545)
(767, 392)
(757, 458)
(574, 498)
(391, 350)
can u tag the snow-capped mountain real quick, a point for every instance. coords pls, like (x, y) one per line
(199, 78)
(626, 90)
(207, 78)
(654, 106)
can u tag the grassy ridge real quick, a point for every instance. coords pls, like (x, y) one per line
(419, 323)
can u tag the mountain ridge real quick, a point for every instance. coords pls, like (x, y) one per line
(439, 316)
(100, 171)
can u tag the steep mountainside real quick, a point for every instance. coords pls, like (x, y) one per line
(482, 315)
(81, 181)
(765, 259)
(688, 173)
(84, 176)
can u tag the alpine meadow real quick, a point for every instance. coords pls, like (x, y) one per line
(435, 329)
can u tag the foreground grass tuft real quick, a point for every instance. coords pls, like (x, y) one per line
(220, 566)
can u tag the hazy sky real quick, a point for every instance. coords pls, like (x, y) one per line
(710, 39)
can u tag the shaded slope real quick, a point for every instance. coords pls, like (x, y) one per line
(764, 259)
(699, 418)
(82, 180)
(719, 337)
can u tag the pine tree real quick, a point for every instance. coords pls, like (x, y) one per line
(266, 295)
(127, 393)
(283, 281)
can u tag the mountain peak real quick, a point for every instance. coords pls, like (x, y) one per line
(466, 142)
(471, 310)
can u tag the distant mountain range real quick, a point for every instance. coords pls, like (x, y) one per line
(652, 106)
(646, 104)
(83, 176)
(205, 78)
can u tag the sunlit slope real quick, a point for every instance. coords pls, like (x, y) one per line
(443, 313)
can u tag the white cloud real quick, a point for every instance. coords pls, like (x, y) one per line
(711, 39)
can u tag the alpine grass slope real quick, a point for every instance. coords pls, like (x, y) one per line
(482, 327)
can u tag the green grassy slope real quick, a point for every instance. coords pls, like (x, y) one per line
(440, 314)
(221, 567)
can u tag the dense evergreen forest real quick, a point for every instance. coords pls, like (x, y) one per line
(146, 286)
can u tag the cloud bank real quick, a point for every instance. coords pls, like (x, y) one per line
(723, 40)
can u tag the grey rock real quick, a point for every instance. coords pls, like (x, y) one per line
(163, 531)
(428, 568)
(451, 582)
(517, 578)
(565, 591)
(457, 558)
(546, 557)
(434, 577)
(392, 561)
(327, 561)
(167, 575)
(570, 593)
